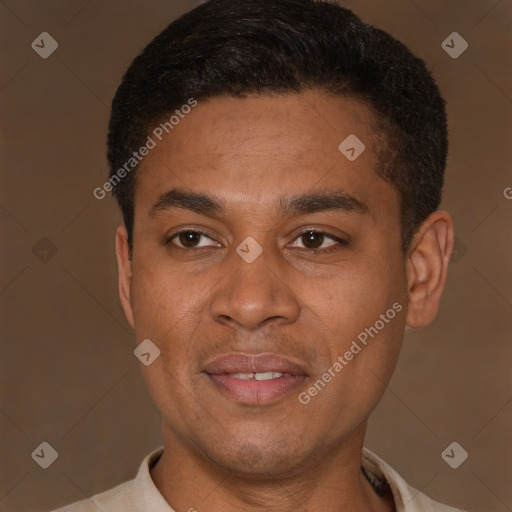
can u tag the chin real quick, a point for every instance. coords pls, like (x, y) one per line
(260, 461)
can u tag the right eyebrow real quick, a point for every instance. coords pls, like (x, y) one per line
(176, 198)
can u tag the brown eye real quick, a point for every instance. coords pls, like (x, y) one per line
(190, 239)
(316, 239)
(312, 239)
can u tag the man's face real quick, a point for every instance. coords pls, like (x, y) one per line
(330, 265)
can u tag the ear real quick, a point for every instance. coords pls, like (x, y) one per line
(427, 267)
(124, 267)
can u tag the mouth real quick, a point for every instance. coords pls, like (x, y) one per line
(255, 379)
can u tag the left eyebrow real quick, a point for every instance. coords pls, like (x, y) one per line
(322, 201)
(319, 201)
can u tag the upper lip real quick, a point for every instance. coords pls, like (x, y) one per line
(252, 363)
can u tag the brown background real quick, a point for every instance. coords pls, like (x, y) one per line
(69, 376)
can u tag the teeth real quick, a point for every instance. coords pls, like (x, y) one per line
(267, 375)
(257, 376)
(243, 376)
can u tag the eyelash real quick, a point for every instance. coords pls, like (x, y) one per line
(340, 241)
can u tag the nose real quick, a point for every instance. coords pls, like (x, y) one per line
(256, 293)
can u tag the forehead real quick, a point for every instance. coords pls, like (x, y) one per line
(249, 149)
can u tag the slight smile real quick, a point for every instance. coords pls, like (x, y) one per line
(255, 379)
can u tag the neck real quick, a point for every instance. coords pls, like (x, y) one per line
(336, 483)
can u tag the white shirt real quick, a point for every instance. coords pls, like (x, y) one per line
(141, 494)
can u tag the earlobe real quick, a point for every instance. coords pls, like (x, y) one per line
(427, 268)
(124, 267)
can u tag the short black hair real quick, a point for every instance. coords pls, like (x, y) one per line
(241, 47)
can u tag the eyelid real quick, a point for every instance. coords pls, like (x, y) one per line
(339, 242)
(342, 238)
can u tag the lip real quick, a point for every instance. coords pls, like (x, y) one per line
(221, 371)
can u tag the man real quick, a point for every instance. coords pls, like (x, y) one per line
(279, 167)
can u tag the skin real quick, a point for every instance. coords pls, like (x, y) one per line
(296, 300)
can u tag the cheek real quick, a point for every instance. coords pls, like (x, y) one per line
(366, 368)
(162, 299)
(352, 299)
(167, 309)
(378, 284)
(361, 306)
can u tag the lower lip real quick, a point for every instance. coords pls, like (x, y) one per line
(256, 392)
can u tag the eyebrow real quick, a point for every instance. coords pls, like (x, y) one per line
(319, 201)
